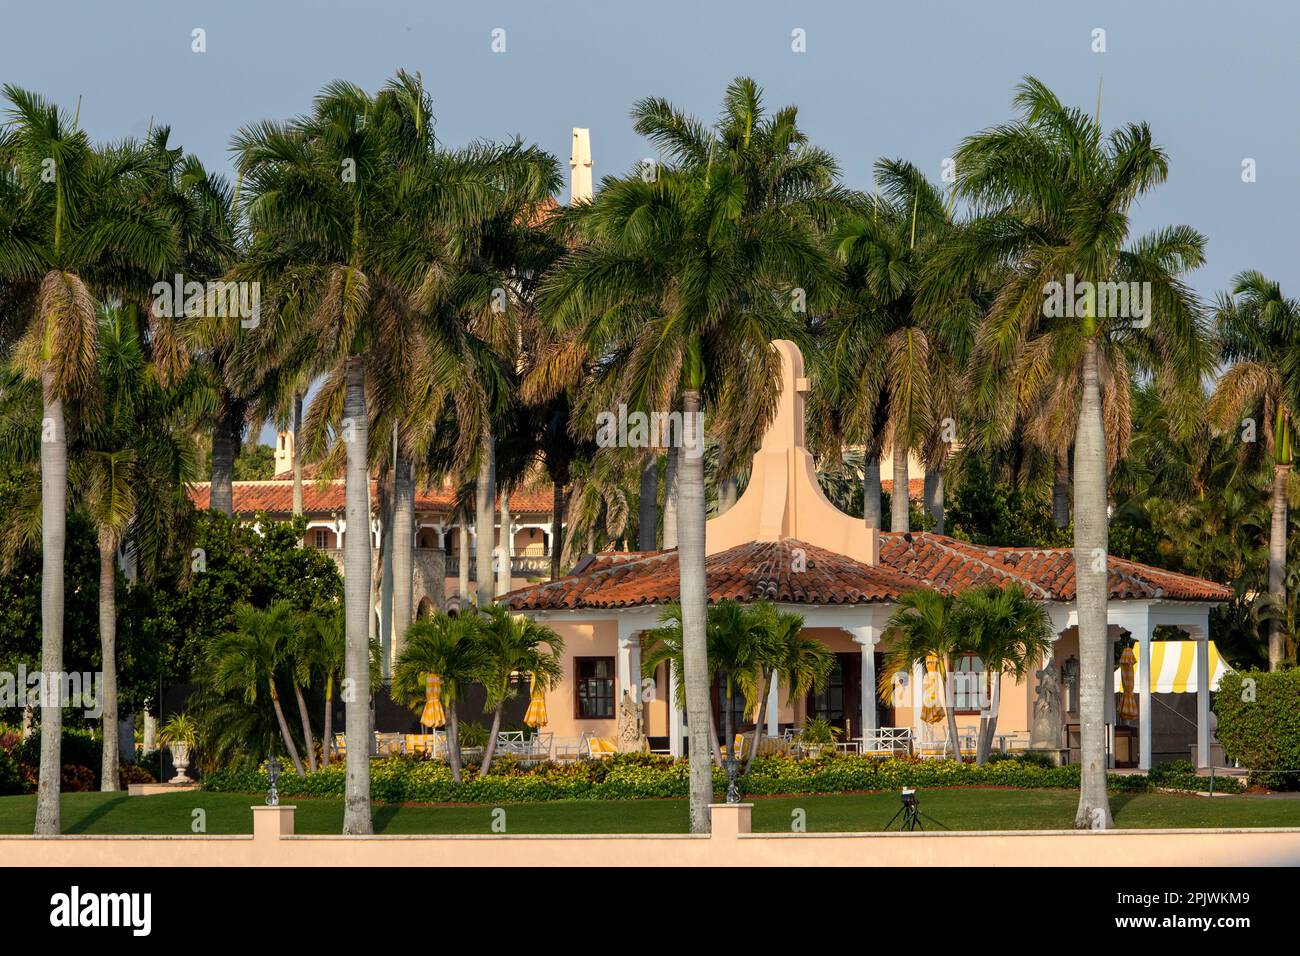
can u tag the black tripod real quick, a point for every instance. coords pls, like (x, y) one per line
(911, 813)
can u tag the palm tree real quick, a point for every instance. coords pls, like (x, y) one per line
(322, 639)
(683, 281)
(924, 628)
(1053, 194)
(802, 664)
(888, 368)
(245, 660)
(518, 649)
(78, 229)
(454, 648)
(1010, 634)
(736, 650)
(1259, 331)
(664, 645)
(337, 197)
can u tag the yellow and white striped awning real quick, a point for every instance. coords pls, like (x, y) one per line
(1173, 667)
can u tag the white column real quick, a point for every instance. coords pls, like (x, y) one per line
(917, 694)
(1136, 618)
(1202, 697)
(1110, 699)
(1144, 698)
(675, 721)
(623, 670)
(773, 704)
(866, 636)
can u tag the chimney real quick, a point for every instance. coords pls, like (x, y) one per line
(580, 189)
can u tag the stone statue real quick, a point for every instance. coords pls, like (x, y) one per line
(1045, 733)
(631, 735)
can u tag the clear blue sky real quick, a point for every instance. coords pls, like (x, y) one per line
(1217, 81)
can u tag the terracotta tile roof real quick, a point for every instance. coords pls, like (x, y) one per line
(1045, 573)
(764, 569)
(276, 497)
(915, 487)
(749, 572)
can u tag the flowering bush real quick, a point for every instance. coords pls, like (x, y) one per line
(642, 776)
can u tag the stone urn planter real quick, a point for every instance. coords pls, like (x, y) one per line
(181, 760)
(179, 736)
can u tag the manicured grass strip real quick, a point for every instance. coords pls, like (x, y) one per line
(225, 813)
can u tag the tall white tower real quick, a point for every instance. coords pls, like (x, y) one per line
(580, 186)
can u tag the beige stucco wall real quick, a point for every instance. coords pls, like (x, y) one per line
(730, 845)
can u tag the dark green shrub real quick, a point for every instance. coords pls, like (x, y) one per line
(642, 776)
(79, 748)
(1259, 725)
(11, 781)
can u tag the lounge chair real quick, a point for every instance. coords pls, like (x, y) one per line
(595, 748)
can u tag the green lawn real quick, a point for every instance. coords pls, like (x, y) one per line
(959, 809)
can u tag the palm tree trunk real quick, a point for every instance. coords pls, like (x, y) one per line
(715, 749)
(1061, 488)
(672, 493)
(1277, 567)
(1090, 558)
(648, 513)
(453, 741)
(762, 716)
(934, 498)
(297, 457)
(225, 441)
(388, 632)
(289, 745)
(54, 516)
(356, 598)
(307, 739)
(490, 748)
(507, 547)
(109, 770)
(899, 518)
(327, 725)
(871, 492)
(728, 723)
(484, 521)
(694, 599)
(950, 708)
(403, 533)
(727, 485)
(989, 724)
(557, 527)
(462, 568)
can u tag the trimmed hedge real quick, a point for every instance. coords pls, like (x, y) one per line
(641, 776)
(1259, 725)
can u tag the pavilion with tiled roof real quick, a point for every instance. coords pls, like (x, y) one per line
(784, 541)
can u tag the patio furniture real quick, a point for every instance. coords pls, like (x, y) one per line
(511, 742)
(340, 745)
(389, 745)
(596, 748)
(888, 742)
(538, 748)
(433, 746)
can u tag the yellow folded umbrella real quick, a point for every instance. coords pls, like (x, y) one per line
(1127, 708)
(536, 716)
(433, 715)
(932, 711)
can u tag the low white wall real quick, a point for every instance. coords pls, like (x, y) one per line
(731, 844)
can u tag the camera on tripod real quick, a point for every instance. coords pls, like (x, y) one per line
(911, 814)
